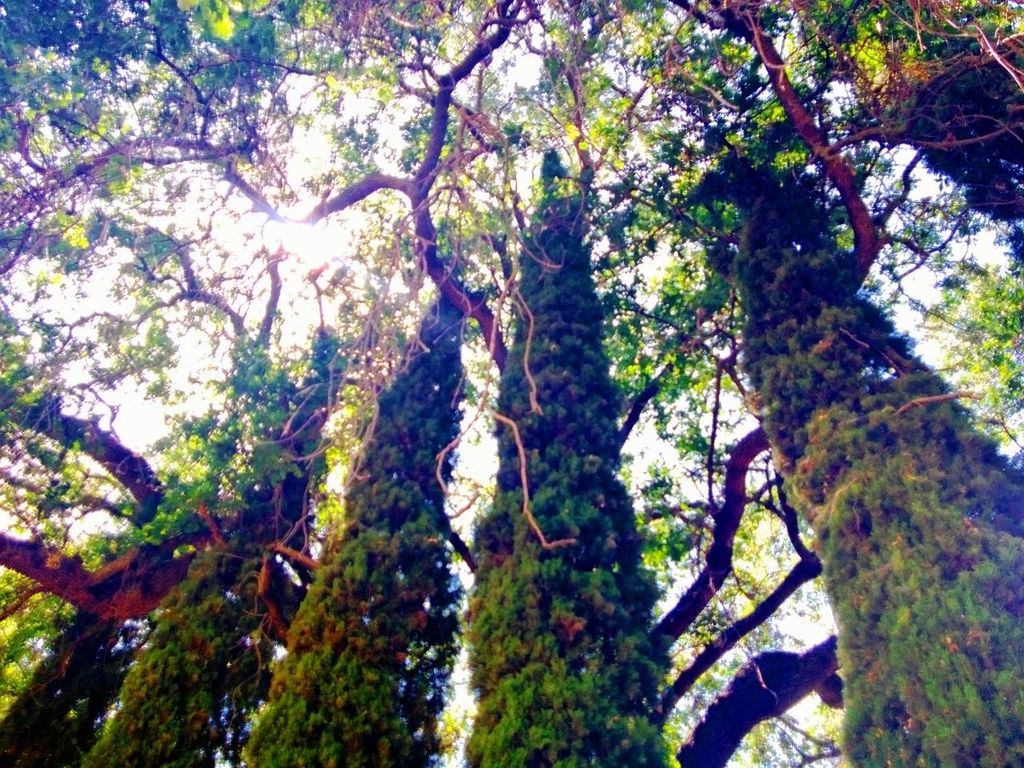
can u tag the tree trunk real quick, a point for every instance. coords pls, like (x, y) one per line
(917, 516)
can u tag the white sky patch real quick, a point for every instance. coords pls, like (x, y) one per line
(311, 246)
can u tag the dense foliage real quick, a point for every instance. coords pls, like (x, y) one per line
(762, 323)
(916, 514)
(371, 647)
(187, 700)
(562, 662)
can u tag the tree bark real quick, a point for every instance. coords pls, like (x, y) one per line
(767, 687)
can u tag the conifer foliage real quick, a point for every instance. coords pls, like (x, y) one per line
(918, 518)
(371, 646)
(186, 701)
(560, 655)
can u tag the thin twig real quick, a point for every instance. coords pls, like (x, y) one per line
(524, 481)
(20, 602)
(919, 402)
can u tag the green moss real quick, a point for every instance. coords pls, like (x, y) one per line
(371, 647)
(561, 660)
(917, 532)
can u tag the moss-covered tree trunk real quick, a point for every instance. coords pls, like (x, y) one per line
(372, 644)
(560, 656)
(919, 521)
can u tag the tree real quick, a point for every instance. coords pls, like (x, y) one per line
(188, 697)
(563, 664)
(372, 644)
(753, 191)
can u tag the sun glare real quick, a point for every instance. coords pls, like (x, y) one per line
(308, 246)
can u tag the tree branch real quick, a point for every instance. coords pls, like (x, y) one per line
(448, 285)
(417, 189)
(741, 22)
(126, 588)
(525, 488)
(210, 299)
(275, 621)
(507, 10)
(270, 311)
(356, 192)
(640, 402)
(294, 555)
(719, 557)
(802, 572)
(259, 202)
(767, 687)
(460, 546)
(867, 242)
(129, 468)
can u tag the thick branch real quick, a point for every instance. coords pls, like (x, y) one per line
(294, 555)
(448, 285)
(460, 546)
(129, 468)
(276, 622)
(126, 588)
(356, 192)
(767, 687)
(802, 572)
(742, 23)
(867, 242)
(485, 46)
(418, 188)
(259, 202)
(719, 557)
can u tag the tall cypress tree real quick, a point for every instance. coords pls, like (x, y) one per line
(561, 659)
(918, 518)
(186, 701)
(371, 647)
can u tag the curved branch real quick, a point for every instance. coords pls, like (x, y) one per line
(719, 557)
(867, 242)
(767, 687)
(355, 192)
(126, 588)
(210, 299)
(741, 22)
(802, 572)
(130, 469)
(507, 10)
(417, 189)
(525, 489)
(448, 285)
(471, 304)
